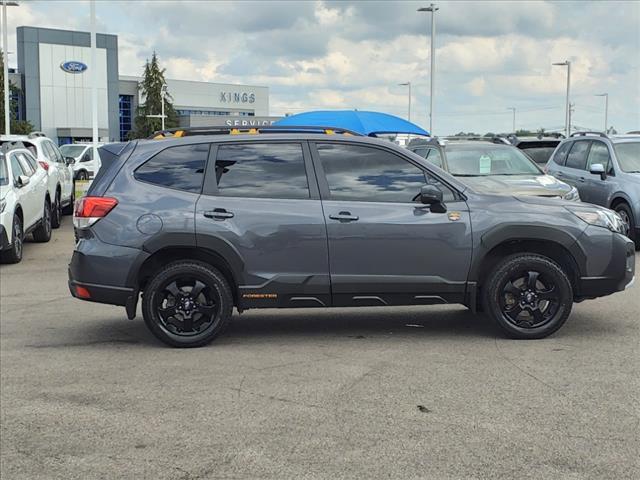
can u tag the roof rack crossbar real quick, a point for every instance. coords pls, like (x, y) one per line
(584, 134)
(249, 129)
(494, 139)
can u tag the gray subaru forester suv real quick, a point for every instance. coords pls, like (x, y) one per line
(200, 222)
(605, 170)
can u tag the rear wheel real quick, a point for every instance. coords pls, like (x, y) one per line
(626, 214)
(529, 296)
(187, 304)
(56, 211)
(14, 254)
(43, 232)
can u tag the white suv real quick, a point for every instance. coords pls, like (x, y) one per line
(59, 171)
(85, 166)
(25, 204)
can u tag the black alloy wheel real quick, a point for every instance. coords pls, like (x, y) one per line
(56, 212)
(43, 232)
(628, 220)
(14, 254)
(528, 300)
(528, 295)
(187, 304)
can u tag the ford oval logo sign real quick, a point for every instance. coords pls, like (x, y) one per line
(73, 67)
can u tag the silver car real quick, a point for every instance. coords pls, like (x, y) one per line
(605, 170)
(492, 165)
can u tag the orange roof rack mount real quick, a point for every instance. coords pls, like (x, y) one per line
(191, 131)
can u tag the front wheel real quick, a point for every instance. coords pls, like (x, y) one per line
(529, 296)
(187, 304)
(625, 213)
(14, 254)
(82, 175)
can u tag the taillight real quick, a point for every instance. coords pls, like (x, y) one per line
(44, 165)
(88, 210)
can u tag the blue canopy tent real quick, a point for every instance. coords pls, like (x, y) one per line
(363, 122)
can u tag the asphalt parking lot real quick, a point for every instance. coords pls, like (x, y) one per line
(431, 393)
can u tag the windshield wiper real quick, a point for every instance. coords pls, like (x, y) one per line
(468, 175)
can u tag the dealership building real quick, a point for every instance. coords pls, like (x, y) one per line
(54, 78)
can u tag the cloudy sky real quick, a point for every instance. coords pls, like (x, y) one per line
(352, 54)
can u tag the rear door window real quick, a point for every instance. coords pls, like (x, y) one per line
(561, 153)
(577, 157)
(181, 167)
(27, 168)
(261, 170)
(16, 167)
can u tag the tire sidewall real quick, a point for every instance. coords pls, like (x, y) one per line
(212, 278)
(505, 271)
(632, 221)
(56, 213)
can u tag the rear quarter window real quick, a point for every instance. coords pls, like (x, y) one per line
(181, 168)
(561, 153)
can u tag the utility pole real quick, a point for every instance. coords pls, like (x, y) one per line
(5, 47)
(567, 64)
(514, 118)
(94, 81)
(572, 108)
(433, 9)
(606, 109)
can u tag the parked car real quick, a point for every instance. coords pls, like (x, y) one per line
(204, 223)
(25, 204)
(85, 166)
(492, 165)
(538, 148)
(58, 168)
(605, 170)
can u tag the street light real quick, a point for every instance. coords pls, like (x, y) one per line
(5, 47)
(567, 127)
(514, 118)
(606, 108)
(163, 93)
(407, 84)
(433, 9)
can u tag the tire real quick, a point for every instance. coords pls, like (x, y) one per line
(167, 297)
(42, 234)
(82, 175)
(529, 296)
(14, 254)
(68, 210)
(56, 212)
(627, 215)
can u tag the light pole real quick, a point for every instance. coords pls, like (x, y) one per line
(408, 84)
(514, 118)
(163, 93)
(7, 117)
(606, 108)
(433, 9)
(567, 120)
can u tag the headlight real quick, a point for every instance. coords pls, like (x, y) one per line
(572, 195)
(3, 203)
(599, 217)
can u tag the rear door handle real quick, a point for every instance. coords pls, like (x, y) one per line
(344, 217)
(218, 213)
(559, 174)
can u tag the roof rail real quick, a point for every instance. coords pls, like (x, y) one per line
(249, 130)
(36, 134)
(494, 139)
(584, 134)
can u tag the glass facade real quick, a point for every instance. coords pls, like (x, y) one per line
(126, 115)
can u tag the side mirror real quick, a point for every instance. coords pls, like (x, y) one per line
(598, 169)
(432, 196)
(23, 180)
(69, 160)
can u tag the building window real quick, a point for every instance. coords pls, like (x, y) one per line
(126, 115)
(16, 104)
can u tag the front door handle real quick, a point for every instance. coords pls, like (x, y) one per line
(218, 213)
(344, 217)
(581, 179)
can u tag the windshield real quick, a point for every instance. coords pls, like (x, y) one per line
(72, 150)
(540, 155)
(490, 159)
(4, 173)
(628, 154)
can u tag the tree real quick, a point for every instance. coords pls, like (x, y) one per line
(151, 90)
(21, 127)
